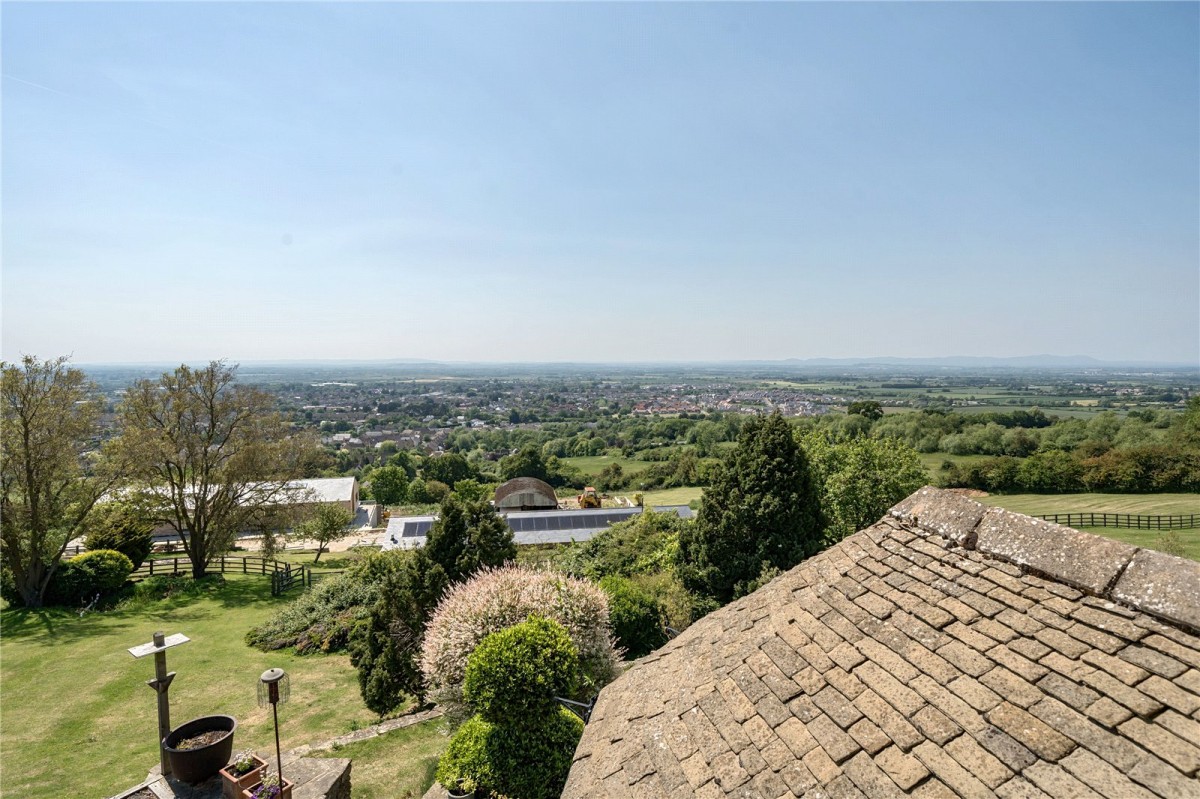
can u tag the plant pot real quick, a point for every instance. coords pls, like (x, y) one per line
(194, 766)
(248, 793)
(460, 792)
(232, 785)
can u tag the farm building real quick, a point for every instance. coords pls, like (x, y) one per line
(525, 493)
(529, 527)
(949, 650)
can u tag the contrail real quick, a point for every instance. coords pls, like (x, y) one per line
(37, 85)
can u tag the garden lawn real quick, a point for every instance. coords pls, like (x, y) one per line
(396, 765)
(78, 720)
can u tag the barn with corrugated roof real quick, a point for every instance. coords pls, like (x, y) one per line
(525, 493)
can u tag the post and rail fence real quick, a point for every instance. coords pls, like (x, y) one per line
(283, 575)
(1130, 520)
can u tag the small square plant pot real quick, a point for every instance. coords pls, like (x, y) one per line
(232, 785)
(248, 793)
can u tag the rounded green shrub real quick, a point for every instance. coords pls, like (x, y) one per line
(527, 762)
(514, 674)
(117, 526)
(636, 616)
(81, 578)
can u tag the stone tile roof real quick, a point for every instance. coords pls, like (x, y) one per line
(950, 650)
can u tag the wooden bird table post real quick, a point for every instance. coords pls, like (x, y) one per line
(158, 647)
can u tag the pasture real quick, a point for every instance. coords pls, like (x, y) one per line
(592, 465)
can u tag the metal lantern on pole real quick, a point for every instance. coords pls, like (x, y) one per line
(274, 687)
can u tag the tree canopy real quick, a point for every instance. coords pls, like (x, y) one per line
(209, 457)
(47, 484)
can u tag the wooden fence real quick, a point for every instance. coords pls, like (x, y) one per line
(1130, 520)
(283, 575)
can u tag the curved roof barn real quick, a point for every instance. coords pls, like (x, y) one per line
(949, 650)
(525, 493)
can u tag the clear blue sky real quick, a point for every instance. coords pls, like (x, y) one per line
(600, 182)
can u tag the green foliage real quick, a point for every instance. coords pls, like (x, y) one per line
(321, 619)
(868, 408)
(1148, 469)
(471, 491)
(118, 526)
(80, 579)
(513, 675)
(146, 592)
(426, 492)
(643, 544)
(860, 479)
(636, 616)
(385, 646)
(325, 524)
(389, 485)
(762, 511)
(530, 762)
(526, 462)
(448, 469)
(467, 535)
(48, 421)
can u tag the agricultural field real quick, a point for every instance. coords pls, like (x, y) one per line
(80, 721)
(594, 464)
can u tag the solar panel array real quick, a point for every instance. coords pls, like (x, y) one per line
(533, 527)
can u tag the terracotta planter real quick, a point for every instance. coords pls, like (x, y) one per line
(194, 766)
(248, 793)
(232, 785)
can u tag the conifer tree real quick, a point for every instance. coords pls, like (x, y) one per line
(761, 514)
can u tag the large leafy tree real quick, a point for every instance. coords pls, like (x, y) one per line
(389, 485)
(209, 457)
(762, 513)
(48, 487)
(860, 479)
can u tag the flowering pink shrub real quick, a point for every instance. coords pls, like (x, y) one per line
(495, 599)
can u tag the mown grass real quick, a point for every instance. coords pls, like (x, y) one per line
(78, 719)
(1141, 504)
(594, 464)
(396, 765)
(1144, 504)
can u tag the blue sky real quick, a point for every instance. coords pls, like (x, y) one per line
(600, 182)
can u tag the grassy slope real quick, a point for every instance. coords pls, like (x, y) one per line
(78, 719)
(398, 765)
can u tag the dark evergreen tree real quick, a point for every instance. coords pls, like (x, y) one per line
(761, 514)
(467, 536)
(386, 648)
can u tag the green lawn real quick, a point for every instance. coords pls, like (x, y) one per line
(593, 465)
(78, 719)
(1145, 504)
(397, 765)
